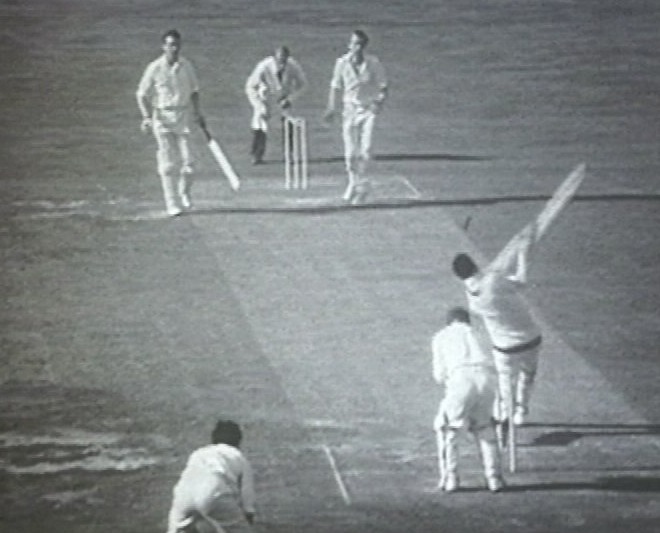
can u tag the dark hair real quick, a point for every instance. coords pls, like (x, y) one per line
(364, 38)
(171, 33)
(284, 50)
(227, 432)
(464, 267)
(458, 314)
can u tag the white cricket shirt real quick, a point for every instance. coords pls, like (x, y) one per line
(455, 346)
(495, 298)
(219, 469)
(169, 86)
(264, 76)
(361, 85)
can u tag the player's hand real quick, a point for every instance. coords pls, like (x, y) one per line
(285, 103)
(377, 106)
(329, 116)
(146, 125)
(201, 121)
(263, 112)
(249, 517)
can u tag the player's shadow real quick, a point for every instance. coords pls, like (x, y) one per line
(565, 434)
(619, 483)
(409, 157)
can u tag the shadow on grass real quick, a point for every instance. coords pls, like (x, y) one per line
(410, 157)
(566, 434)
(333, 205)
(626, 483)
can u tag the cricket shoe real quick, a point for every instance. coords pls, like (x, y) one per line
(349, 193)
(451, 483)
(359, 198)
(519, 417)
(173, 211)
(185, 200)
(495, 483)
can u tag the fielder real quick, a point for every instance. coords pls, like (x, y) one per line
(362, 79)
(168, 97)
(494, 295)
(467, 374)
(276, 81)
(215, 492)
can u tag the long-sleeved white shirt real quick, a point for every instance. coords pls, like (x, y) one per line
(264, 82)
(456, 346)
(361, 86)
(495, 297)
(168, 86)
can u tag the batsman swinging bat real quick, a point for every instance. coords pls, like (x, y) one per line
(221, 158)
(560, 199)
(553, 207)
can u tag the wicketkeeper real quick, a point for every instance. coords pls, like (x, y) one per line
(466, 371)
(215, 492)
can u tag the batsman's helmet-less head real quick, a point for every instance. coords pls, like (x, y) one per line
(458, 314)
(464, 267)
(227, 432)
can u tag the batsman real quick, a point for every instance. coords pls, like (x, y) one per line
(494, 295)
(168, 97)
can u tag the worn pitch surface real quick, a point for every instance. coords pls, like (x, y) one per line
(125, 334)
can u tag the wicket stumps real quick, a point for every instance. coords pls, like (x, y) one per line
(295, 153)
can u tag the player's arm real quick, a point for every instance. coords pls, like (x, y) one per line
(143, 96)
(194, 94)
(513, 261)
(439, 368)
(381, 80)
(197, 111)
(298, 85)
(335, 87)
(523, 254)
(254, 84)
(248, 497)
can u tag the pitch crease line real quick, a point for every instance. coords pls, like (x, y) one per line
(414, 190)
(340, 482)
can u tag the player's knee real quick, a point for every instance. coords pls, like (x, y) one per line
(166, 169)
(528, 377)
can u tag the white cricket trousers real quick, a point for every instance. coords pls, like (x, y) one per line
(213, 512)
(467, 407)
(357, 132)
(447, 439)
(516, 373)
(175, 165)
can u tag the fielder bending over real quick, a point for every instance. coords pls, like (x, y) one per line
(168, 97)
(468, 376)
(276, 80)
(494, 295)
(215, 493)
(361, 78)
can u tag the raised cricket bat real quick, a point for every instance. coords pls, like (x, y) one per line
(552, 209)
(221, 159)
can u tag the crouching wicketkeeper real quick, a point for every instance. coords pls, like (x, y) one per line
(467, 373)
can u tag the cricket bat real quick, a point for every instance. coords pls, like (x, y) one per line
(538, 227)
(221, 159)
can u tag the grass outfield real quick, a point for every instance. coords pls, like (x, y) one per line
(125, 334)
